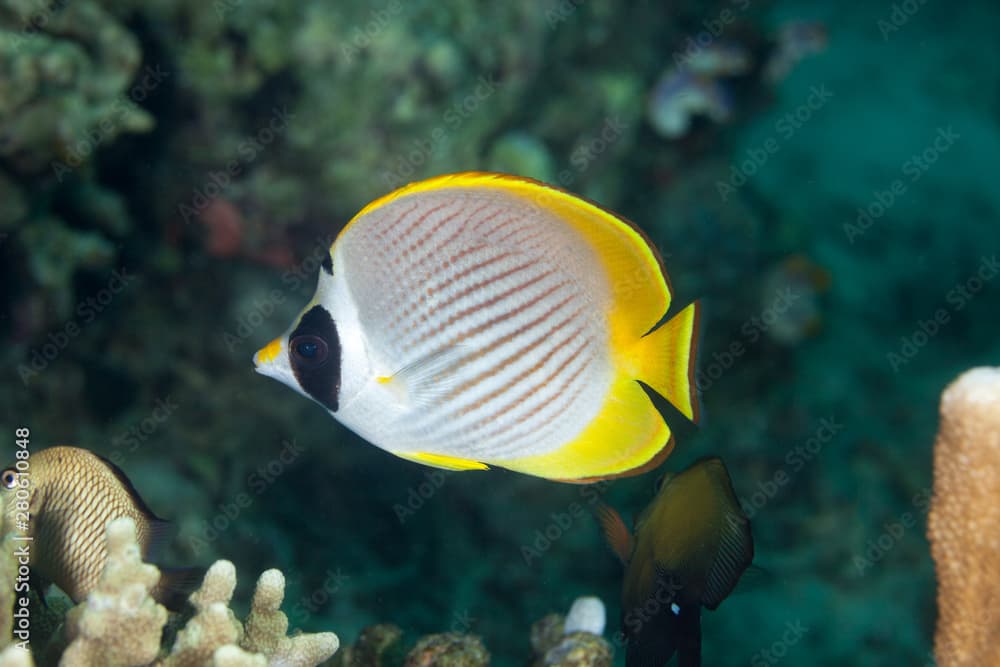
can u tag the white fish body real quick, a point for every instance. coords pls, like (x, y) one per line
(473, 327)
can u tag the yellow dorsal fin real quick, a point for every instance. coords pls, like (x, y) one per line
(443, 461)
(639, 283)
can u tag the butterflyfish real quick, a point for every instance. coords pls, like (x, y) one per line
(71, 495)
(689, 549)
(477, 319)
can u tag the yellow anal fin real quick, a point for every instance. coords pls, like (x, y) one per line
(625, 437)
(665, 360)
(443, 461)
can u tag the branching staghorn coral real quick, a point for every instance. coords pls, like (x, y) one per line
(120, 624)
(13, 656)
(964, 523)
(267, 627)
(214, 626)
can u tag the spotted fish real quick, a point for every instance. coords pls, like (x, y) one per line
(481, 319)
(71, 496)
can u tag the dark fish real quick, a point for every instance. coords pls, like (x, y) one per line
(691, 545)
(72, 495)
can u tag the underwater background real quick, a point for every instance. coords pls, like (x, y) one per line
(172, 172)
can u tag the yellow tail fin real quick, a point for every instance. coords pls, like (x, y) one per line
(665, 360)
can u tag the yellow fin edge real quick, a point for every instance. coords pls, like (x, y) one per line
(640, 288)
(665, 360)
(443, 461)
(626, 434)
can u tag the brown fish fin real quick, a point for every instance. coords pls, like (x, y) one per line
(132, 492)
(734, 541)
(176, 584)
(615, 532)
(160, 534)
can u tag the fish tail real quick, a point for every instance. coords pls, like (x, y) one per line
(665, 360)
(689, 645)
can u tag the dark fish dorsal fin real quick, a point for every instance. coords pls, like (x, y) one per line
(127, 484)
(161, 533)
(615, 532)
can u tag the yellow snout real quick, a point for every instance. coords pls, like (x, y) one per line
(268, 353)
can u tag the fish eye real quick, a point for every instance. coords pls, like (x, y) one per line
(8, 478)
(309, 350)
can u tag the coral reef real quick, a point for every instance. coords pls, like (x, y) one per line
(215, 148)
(120, 625)
(371, 646)
(587, 614)
(267, 629)
(573, 641)
(449, 649)
(14, 656)
(964, 523)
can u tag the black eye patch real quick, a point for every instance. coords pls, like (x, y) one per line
(315, 356)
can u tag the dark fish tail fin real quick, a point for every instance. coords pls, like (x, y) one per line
(689, 637)
(159, 534)
(176, 584)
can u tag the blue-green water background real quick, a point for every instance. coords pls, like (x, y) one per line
(827, 429)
